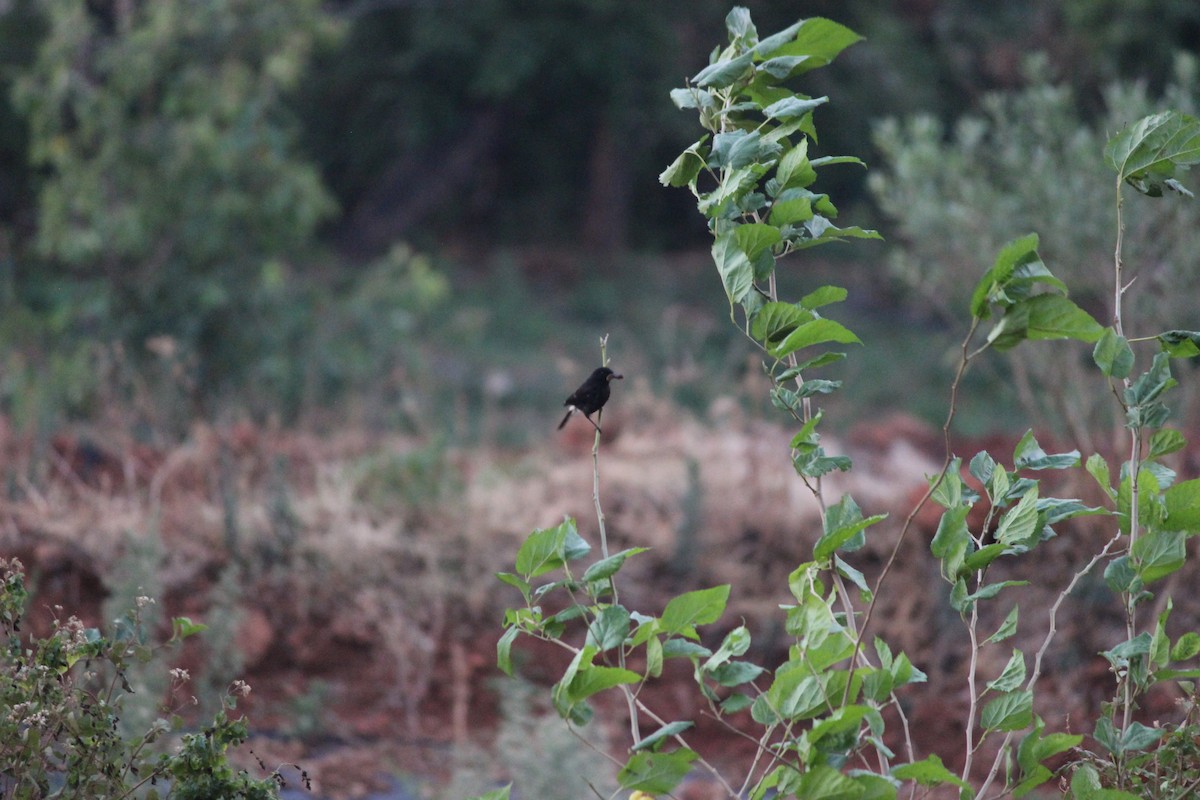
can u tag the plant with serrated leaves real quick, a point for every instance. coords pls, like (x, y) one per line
(822, 713)
(64, 696)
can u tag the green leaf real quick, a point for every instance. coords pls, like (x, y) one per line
(836, 538)
(1011, 711)
(1180, 344)
(504, 650)
(952, 541)
(1085, 785)
(791, 211)
(1183, 507)
(1113, 355)
(496, 794)
(733, 265)
(1019, 525)
(1151, 384)
(1028, 454)
(735, 673)
(685, 167)
(609, 629)
(823, 296)
(183, 627)
(665, 732)
(723, 73)
(794, 169)
(1097, 467)
(817, 331)
(1158, 553)
(1052, 316)
(775, 321)
(702, 607)
(1013, 674)
(991, 287)
(755, 238)
(823, 782)
(1007, 628)
(656, 773)
(930, 772)
(991, 590)
(548, 549)
(1166, 441)
(820, 39)
(737, 149)
(1147, 153)
(735, 644)
(592, 679)
(790, 107)
(607, 567)
(1188, 646)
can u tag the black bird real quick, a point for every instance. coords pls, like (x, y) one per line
(591, 396)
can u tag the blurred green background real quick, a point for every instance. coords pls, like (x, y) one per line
(421, 216)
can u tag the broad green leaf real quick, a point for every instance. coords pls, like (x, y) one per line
(592, 679)
(723, 73)
(1166, 441)
(1011, 711)
(1180, 344)
(1158, 553)
(1085, 785)
(990, 288)
(769, 45)
(791, 211)
(607, 567)
(817, 331)
(952, 541)
(1007, 628)
(1146, 153)
(737, 149)
(794, 106)
(1052, 316)
(1188, 646)
(735, 673)
(820, 39)
(930, 772)
(735, 644)
(823, 296)
(702, 607)
(734, 267)
(1028, 454)
(1097, 467)
(794, 168)
(835, 539)
(754, 238)
(1013, 674)
(686, 166)
(736, 702)
(183, 627)
(504, 650)
(1183, 507)
(822, 231)
(775, 321)
(1152, 383)
(665, 732)
(656, 773)
(548, 549)
(823, 782)
(1113, 355)
(991, 590)
(1020, 524)
(609, 629)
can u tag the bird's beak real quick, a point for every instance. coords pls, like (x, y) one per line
(615, 377)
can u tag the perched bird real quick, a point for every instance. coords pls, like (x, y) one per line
(591, 396)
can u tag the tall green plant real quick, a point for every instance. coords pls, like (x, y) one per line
(822, 715)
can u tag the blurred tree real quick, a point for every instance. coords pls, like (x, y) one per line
(169, 182)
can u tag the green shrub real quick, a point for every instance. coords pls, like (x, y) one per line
(64, 698)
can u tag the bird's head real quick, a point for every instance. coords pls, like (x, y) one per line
(608, 375)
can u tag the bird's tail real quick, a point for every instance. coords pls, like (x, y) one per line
(570, 411)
